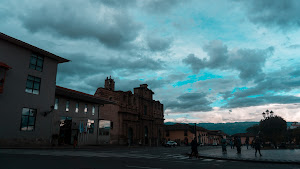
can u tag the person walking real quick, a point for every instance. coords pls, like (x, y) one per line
(238, 144)
(224, 144)
(257, 144)
(231, 144)
(247, 142)
(194, 147)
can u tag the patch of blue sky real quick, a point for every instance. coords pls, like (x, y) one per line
(255, 96)
(195, 78)
(218, 103)
(239, 89)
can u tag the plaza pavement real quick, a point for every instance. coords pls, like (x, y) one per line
(284, 156)
(281, 156)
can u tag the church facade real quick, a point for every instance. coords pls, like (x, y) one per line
(135, 118)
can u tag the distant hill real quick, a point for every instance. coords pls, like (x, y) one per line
(228, 128)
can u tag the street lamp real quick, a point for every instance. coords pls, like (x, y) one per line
(271, 113)
(264, 114)
(267, 111)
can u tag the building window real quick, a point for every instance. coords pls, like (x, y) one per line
(90, 126)
(36, 62)
(33, 85)
(167, 133)
(111, 125)
(93, 110)
(67, 105)
(185, 132)
(56, 104)
(28, 119)
(145, 110)
(77, 107)
(85, 108)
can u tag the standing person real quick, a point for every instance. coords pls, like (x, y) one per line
(257, 144)
(194, 147)
(247, 142)
(238, 144)
(224, 144)
(231, 144)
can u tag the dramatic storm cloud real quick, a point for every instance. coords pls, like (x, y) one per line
(206, 61)
(249, 62)
(270, 13)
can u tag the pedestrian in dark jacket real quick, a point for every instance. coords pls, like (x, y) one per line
(194, 147)
(238, 144)
(224, 144)
(257, 144)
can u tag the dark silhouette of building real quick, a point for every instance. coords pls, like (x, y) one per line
(135, 118)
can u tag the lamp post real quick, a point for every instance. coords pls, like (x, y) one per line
(268, 114)
(271, 113)
(264, 115)
(195, 132)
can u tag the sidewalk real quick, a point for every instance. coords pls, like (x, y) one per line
(284, 156)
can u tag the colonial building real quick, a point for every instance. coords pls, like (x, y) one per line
(27, 91)
(76, 114)
(215, 137)
(185, 133)
(135, 118)
(29, 111)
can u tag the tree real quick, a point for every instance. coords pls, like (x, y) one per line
(273, 129)
(253, 129)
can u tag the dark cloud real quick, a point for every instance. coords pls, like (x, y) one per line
(117, 3)
(266, 91)
(189, 102)
(89, 75)
(248, 62)
(295, 73)
(156, 43)
(160, 6)
(279, 13)
(77, 19)
(96, 64)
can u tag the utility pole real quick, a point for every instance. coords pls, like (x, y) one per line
(196, 132)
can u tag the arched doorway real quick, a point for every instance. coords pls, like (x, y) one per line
(146, 134)
(130, 136)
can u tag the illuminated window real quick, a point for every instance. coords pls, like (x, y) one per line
(28, 119)
(56, 104)
(67, 105)
(36, 62)
(33, 85)
(77, 107)
(93, 110)
(91, 126)
(85, 108)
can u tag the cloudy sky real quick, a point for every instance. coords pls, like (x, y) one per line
(206, 61)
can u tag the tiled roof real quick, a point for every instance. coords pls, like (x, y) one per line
(32, 48)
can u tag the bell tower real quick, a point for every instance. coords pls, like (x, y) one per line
(109, 83)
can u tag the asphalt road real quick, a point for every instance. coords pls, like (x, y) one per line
(138, 158)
